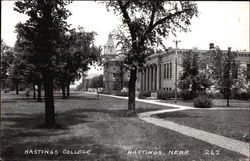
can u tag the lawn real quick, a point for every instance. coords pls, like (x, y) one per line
(93, 129)
(233, 123)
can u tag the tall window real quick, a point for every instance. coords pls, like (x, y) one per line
(167, 70)
(170, 70)
(164, 71)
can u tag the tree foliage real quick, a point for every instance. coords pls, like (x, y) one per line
(97, 82)
(224, 71)
(145, 24)
(194, 76)
(7, 58)
(77, 51)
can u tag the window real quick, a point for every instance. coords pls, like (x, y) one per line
(167, 70)
(107, 65)
(170, 88)
(170, 76)
(164, 70)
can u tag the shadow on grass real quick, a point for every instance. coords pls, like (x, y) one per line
(25, 126)
(56, 98)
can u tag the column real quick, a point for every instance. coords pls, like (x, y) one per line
(146, 76)
(141, 88)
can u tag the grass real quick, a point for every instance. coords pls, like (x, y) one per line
(93, 124)
(233, 123)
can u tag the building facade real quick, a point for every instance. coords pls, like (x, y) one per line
(159, 71)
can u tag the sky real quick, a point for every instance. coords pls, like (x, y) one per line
(226, 24)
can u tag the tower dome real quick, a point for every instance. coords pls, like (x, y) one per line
(109, 47)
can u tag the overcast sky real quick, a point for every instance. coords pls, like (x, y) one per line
(222, 23)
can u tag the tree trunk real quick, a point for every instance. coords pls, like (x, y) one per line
(34, 91)
(227, 102)
(39, 90)
(63, 92)
(68, 90)
(131, 98)
(17, 90)
(49, 100)
(121, 68)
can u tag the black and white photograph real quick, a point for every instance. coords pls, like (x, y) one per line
(125, 80)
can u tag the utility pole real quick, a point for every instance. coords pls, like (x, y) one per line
(175, 83)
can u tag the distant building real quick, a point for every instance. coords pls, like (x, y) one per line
(115, 75)
(159, 71)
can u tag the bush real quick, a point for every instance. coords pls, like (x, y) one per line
(187, 95)
(105, 92)
(241, 95)
(124, 94)
(7, 90)
(203, 101)
(216, 95)
(165, 95)
(144, 94)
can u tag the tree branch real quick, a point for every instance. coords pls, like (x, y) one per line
(161, 21)
(126, 17)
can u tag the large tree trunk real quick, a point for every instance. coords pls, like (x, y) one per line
(131, 98)
(63, 92)
(49, 100)
(17, 90)
(68, 90)
(39, 90)
(34, 91)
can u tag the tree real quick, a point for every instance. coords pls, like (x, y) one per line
(145, 23)
(77, 51)
(7, 58)
(26, 52)
(194, 76)
(47, 19)
(97, 82)
(224, 71)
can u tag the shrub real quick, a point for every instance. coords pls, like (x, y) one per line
(203, 101)
(7, 90)
(216, 95)
(187, 95)
(241, 95)
(105, 92)
(124, 94)
(144, 94)
(165, 95)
